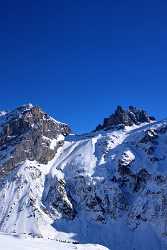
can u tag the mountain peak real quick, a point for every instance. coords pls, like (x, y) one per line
(107, 181)
(26, 106)
(31, 134)
(126, 117)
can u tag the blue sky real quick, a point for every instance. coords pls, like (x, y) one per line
(79, 59)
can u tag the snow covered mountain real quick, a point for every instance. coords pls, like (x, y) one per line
(107, 187)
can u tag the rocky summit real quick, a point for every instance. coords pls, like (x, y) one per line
(106, 187)
(28, 133)
(123, 117)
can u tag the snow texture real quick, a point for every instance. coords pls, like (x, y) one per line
(106, 187)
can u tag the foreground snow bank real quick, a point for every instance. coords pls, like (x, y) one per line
(10, 242)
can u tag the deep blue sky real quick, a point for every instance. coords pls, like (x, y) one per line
(79, 59)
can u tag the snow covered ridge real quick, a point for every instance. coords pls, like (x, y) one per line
(107, 187)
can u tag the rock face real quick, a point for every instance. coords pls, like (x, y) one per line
(114, 176)
(124, 117)
(106, 187)
(29, 133)
(58, 199)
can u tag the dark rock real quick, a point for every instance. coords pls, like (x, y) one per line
(27, 133)
(59, 200)
(150, 136)
(150, 150)
(125, 118)
(141, 179)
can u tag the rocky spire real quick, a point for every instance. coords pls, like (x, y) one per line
(129, 117)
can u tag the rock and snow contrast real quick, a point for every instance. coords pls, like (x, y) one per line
(106, 189)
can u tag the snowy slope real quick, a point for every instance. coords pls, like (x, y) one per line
(106, 187)
(8, 242)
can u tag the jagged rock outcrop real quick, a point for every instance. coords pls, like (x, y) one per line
(123, 117)
(107, 187)
(28, 133)
(58, 199)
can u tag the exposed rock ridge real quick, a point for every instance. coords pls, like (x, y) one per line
(29, 133)
(122, 117)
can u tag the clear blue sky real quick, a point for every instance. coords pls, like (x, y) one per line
(79, 59)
